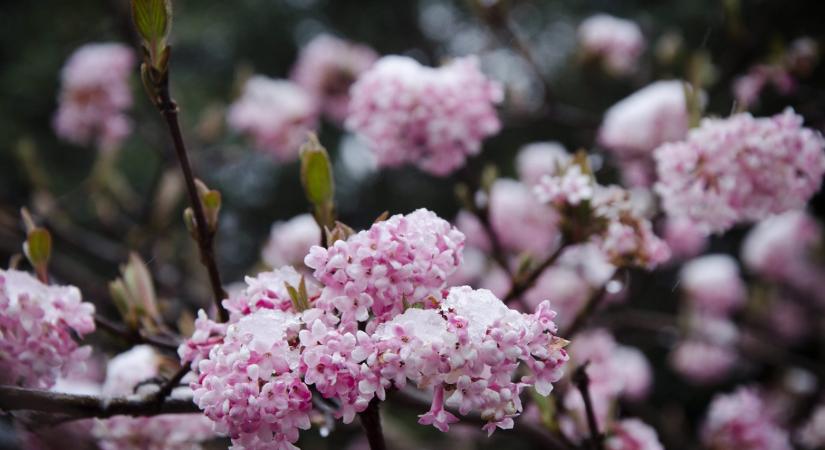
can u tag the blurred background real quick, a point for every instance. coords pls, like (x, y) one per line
(99, 207)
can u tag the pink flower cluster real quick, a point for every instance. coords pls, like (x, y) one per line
(38, 325)
(712, 284)
(433, 118)
(540, 158)
(610, 218)
(740, 169)
(275, 114)
(397, 263)
(812, 433)
(747, 88)
(162, 432)
(617, 43)
(739, 420)
(633, 434)
(520, 221)
(327, 67)
(255, 374)
(290, 241)
(94, 94)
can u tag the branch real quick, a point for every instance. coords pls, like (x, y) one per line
(86, 406)
(583, 383)
(581, 319)
(134, 337)
(520, 286)
(371, 422)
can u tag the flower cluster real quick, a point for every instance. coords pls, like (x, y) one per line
(276, 114)
(522, 223)
(395, 264)
(290, 241)
(94, 94)
(604, 215)
(433, 118)
(740, 420)
(38, 325)
(327, 67)
(633, 434)
(740, 169)
(162, 432)
(617, 43)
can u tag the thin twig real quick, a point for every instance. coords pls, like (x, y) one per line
(371, 422)
(134, 337)
(520, 286)
(166, 388)
(583, 384)
(581, 319)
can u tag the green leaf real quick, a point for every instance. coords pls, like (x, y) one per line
(153, 19)
(39, 247)
(316, 172)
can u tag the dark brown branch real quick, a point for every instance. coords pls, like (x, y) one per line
(134, 337)
(371, 422)
(581, 319)
(583, 384)
(86, 406)
(204, 236)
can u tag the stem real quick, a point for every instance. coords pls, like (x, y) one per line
(584, 315)
(522, 285)
(204, 236)
(371, 421)
(85, 406)
(134, 337)
(170, 385)
(583, 383)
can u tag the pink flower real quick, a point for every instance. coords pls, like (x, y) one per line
(712, 284)
(38, 325)
(327, 67)
(684, 238)
(275, 114)
(617, 43)
(565, 289)
(740, 421)
(267, 290)
(94, 95)
(740, 169)
(162, 432)
(540, 158)
(522, 223)
(748, 88)
(640, 123)
(812, 433)
(702, 362)
(396, 263)
(290, 241)
(633, 434)
(433, 118)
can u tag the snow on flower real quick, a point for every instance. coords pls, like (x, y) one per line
(617, 43)
(740, 169)
(38, 325)
(161, 432)
(431, 117)
(327, 67)
(94, 95)
(540, 158)
(290, 241)
(739, 420)
(396, 263)
(267, 290)
(712, 284)
(275, 114)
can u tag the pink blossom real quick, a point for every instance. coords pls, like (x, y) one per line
(268, 290)
(433, 118)
(740, 169)
(712, 284)
(327, 67)
(94, 95)
(702, 362)
(739, 420)
(522, 223)
(38, 325)
(540, 158)
(162, 432)
(640, 123)
(617, 43)
(812, 433)
(684, 238)
(473, 229)
(400, 261)
(275, 114)
(632, 434)
(565, 289)
(747, 88)
(290, 241)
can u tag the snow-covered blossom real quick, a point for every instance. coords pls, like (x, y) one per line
(267, 290)
(250, 387)
(712, 284)
(327, 67)
(94, 95)
(396, 263)
(632, 434)
(812, 433)
(433, 118)
(161, 432)
(540, 158)
(570, 187)
(780, 249)
(741, 421)
(740, 169)
(38, 325)
(522, 223)
(275, 114)
(616, 42)
(684, 238)
(290, 241)
(467, 351)
(648, 118)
